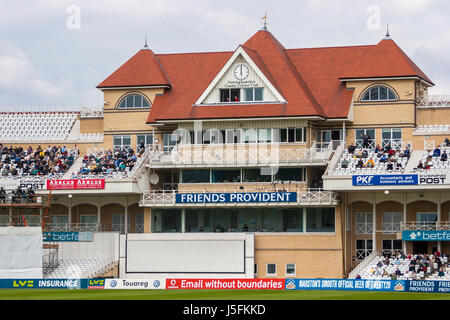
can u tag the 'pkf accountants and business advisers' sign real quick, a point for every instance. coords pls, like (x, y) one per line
(400, 179)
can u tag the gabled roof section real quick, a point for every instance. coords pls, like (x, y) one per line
(298, 94)
(384, 60)
(142, 70)
(256, 63)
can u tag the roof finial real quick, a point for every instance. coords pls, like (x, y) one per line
(265, 21)
(146, 45)
(388, 36)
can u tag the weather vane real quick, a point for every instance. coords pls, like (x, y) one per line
(265, 21)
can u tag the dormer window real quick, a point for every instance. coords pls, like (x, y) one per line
(253, 94)
(133, 101)
(379, 93)
(230, 95)
(241, 95)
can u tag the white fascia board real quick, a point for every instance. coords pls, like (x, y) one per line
(236, 54)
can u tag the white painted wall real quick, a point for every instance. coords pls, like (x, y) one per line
(196, 255)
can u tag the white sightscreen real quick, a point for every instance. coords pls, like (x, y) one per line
(195, 256)
(21, 253)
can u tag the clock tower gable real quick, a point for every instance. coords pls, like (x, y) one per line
(243, 79)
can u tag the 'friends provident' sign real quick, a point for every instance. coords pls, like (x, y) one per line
(240, 197)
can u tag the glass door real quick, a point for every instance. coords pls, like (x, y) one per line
(118, 222)
(365, 138)
(363, 249)
(392, 138)
(122, 143)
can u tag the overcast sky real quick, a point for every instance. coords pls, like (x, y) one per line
(55, 52)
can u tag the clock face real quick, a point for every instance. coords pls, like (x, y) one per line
(241, 72)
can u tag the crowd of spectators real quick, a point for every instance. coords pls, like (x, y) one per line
(17, 161)
(17, 196)
(437, 154)
(386, 155)
(417, 266)
(109, 162)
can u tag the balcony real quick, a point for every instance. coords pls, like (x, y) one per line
(434, 101)
(306, 197)
(425, 226)
(239, 155)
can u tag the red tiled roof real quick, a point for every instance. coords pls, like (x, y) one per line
(386, 59)
(308, 79)
(143, 69)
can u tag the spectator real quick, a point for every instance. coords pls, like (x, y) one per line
(420, 165)
(444, 156)
(360, 163)
(378, 149)
(370, 163)
(344, 163)
(390, 166)
(437, 152)
(2, 195)
(447, 142)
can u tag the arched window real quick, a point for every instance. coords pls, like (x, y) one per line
(379, 93)
(134, 101)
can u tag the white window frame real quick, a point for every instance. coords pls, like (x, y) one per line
(365, 227)
(390, 227)
(286, 269)
(267, 269)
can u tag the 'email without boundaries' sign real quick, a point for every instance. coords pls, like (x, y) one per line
(240, 197)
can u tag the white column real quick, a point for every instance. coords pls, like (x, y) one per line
(10, 215)
(344, 134)
(183, 220)
(438, 195)
(99, 211)
(126, 215)
(374, 221)
(405, 212)
(304, 219)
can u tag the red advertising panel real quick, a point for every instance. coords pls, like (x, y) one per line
(276, 284)
(75, 184)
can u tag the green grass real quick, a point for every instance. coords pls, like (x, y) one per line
(66, 294)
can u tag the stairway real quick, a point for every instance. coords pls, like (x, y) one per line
(74, 168)
(416, 155)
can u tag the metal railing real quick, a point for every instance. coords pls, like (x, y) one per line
(363, 228)
(304, 197)
(366, 259)
(425, 225)
(237, 154)
(91, 112)
(434, 101)
(80, 227)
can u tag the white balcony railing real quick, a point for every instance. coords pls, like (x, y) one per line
(239, 155)
(425, 226)
(364, 228)
(161, 198)
(434, 101)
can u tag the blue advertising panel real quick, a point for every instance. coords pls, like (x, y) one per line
(72, 236)
(385, 180)
(420, 235)
(44, 283)
(369, 285)
(239, 197)
(344, 284)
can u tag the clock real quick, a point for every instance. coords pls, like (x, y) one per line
(241, 72)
